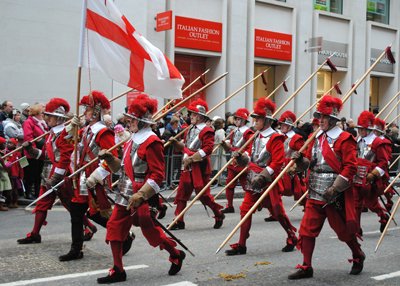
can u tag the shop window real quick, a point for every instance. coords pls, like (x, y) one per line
(334, 6)
(260, 89)
(378, 11)
(373, 93)
(324, 82)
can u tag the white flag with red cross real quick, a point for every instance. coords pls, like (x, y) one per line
(113, 46)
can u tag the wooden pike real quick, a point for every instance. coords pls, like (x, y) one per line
(387, 225)
(156, 118)
(302, 149)
(397, 117)
(391, 110)
(387, 104)
(394, 162)
(185, 89)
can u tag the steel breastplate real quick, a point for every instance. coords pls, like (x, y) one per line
(83, 191)
(57, 153)
(259, 153)
(139, 166)
(364, 151)
(288, 150)
(192, 140)
(47, 167)
(237, 140)
(322, 175)
(125, 188)
(367, 156)
(93, 147)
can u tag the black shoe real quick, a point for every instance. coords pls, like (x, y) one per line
(175, 268)
(219, 220)
(30, 238)
(236, 249)
(71, 255)
(290, 244)
(358, 264)
(228, 210)
(126, 246)
(270, 218)
(89, 232)
(384, 220)
(162, 211)
(114, 276)
(179, 225)
(302, 273)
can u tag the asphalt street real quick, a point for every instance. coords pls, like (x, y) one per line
(264, 263)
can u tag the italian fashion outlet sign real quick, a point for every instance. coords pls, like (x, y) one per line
(198, 34)
(272, 45)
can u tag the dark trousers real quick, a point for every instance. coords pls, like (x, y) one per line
(32, 176)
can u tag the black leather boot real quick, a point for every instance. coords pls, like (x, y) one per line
(303, 272)
(236, 249)
(179, 225)
(73, 254)
(30, 238)
(114, 275)
(175, 268)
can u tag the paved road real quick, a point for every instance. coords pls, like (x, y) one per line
(264, 263)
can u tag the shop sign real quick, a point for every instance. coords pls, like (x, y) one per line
(198, 34)
(338, 50)
(272, 45)
(164, 21)
(384, 64)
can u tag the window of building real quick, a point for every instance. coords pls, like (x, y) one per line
(324, 82)
(260, 89)
(334, 6)
(378, 11)
(373, 93)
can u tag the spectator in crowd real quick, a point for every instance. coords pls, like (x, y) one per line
(25, 111)
(173, 161)
(15, 171)
(33, 127)
(121, 120)
(217, 160)
(5, 183)
(121, 133)
(7, 108)
(13, 127)
(351, 127)
(230, 125)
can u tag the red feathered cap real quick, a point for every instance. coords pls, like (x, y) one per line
(198, 106)
(379, 125)
(330, 106)
(366, 120)
(57, 107)
(288, 118)
(96, 98)
(242, 113)
(142, 108)
(13, 141)
(2, 140)
(264, 108)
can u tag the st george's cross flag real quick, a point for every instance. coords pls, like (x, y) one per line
(113, 46)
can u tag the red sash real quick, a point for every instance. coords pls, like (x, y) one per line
(329, 155)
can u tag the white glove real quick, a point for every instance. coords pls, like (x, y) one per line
(97, 177)
(75, 123)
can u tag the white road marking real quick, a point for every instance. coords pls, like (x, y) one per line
(183, 283)
(387, 276)
(68, 276)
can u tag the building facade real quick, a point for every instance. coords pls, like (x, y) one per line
(39, 51)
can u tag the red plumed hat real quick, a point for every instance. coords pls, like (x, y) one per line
(242, 113)
(379, 125)
(366, 120)
(330, 106)
(199, 106)
(96, 98)
(2, 140)
(13, 141)
(57, 107)
(288, 118)
(264, 108)
(142, 108)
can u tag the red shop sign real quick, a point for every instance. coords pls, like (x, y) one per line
(272, 45)
(198, 34)
(164, 21)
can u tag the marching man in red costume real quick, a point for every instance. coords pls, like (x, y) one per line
(372, 168)
(265, 162)
(142, 169)
(332, 161)
(238, 137)
(90, 192)
(57, 152)
(379, 130)
(197, 148)
(292, 184)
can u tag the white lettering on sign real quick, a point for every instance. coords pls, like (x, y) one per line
(198, 30)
